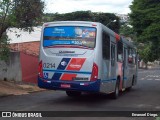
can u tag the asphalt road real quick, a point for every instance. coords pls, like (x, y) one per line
(145, 96)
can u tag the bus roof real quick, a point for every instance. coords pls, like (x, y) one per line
(72, 22)
(128, 43)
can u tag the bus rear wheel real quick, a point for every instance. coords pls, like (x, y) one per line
(129, 88)
(73, 93)
(115, 94)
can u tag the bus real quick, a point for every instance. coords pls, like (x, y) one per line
(80, 56)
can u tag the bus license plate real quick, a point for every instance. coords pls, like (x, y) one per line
(65, 85)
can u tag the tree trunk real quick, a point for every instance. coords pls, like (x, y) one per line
(2, 31)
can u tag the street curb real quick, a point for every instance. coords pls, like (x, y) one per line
(6, 95)
(29, 92)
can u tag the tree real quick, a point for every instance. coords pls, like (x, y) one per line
(106, 18)
(103, 18)
(145, 52)
(145, 19)
(22, 14)
(127, 30)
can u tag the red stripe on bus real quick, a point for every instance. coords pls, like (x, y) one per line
(75, 65)
(117, 37)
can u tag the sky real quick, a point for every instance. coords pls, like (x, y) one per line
(66, 6)
(108, 6)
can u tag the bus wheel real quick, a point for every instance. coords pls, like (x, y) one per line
(115, 94)
(129, 88)
(73, 93)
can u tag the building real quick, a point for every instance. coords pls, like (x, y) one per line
(123, 17)
(23, 60)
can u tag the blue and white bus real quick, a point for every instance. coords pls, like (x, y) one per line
(79, 56)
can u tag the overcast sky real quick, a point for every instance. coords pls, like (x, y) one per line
(109, 6)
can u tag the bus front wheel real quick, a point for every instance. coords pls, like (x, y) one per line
(73, 93)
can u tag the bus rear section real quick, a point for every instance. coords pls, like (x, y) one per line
(67, 58)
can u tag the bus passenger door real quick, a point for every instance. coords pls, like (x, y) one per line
(113, 65)
(125, 68)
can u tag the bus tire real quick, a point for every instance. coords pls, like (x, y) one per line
(129, 88)
(73, 93)
(115, 94)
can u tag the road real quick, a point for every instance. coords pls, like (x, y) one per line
(145, 96)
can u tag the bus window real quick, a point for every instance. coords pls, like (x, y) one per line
(69, 35)
(130, 56)
(106, 46)
(112, 55)
(134, 56)
(119, 52)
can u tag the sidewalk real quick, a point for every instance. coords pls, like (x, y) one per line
(155, 67)
(14, 88)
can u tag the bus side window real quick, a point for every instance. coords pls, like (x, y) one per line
(134, 56)
(106, 46)
(130, 56)
(119, 52)
(112, 55)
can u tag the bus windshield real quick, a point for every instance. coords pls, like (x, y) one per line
(69, 35)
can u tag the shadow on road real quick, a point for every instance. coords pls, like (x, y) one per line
(89, 99)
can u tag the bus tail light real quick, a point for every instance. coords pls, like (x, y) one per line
(94, 75)
(40, 71)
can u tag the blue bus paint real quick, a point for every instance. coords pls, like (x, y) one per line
(75, 85)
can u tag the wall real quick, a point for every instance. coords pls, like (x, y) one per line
(29, 66)
(12, 69)
(20, 67)
(29, 59)
(31, 48)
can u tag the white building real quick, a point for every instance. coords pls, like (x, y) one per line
(123, 17)
(24, 36)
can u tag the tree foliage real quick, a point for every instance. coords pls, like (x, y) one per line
(21, 14)
(4, 48)
(145, 18)
(104, 18)
(127, 30)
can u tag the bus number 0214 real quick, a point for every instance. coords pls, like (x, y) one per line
(48, 65)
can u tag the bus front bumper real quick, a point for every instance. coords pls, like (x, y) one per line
(85, 86)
